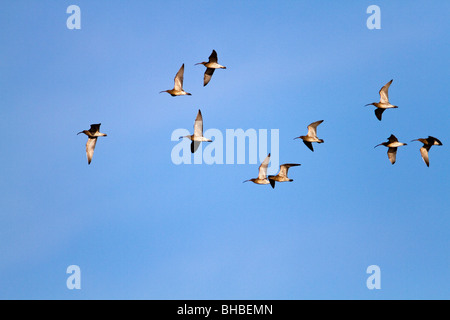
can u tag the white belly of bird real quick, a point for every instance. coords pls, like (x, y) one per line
(385, 106)
(395, 144)
(213, 65)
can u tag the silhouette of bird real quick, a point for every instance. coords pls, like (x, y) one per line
(427, 143)
(311, 135)
(93, 133)
(262, 176)
(282, 175)
(211, 65)
(384, 101)
(197, 137)
(392, 144)
(178, 84)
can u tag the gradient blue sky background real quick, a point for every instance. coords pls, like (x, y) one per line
(141, 227)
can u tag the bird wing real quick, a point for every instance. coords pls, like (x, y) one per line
(424, 153)
(392, 138)
(213, 57)
(263, 168)
(207, 77)
(284, 168)
(94, 128)
(272, 183)
(384, 98)
(312, 128)
(198, 125)
(179, 79)
(392, 153)
(90, 146)
(194, 146)
(309, 145)
(379, 112)
(434, 141)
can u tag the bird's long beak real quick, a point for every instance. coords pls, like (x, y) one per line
(199, 63)
(369, 104)
(377, 145)
(163, 91)
(79, 132)
(297, 138)
(245, 181)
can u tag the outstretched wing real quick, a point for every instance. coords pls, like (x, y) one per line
(213, 57)
(272, 183)
(309, 145)
(94, 128)
(312, 128)
(424, 153)
(384, 97)
(284, 168)
(263, 168)
(379, 112)
(198, 125)
(207, 77)
(392, 153)
(179, 79)
(194, 146)
(90, 147)
(434, 141)
(392, 138)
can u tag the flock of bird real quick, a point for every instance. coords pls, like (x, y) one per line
(392, 144)
(197, 137)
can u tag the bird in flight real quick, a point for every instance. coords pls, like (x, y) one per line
(197, 137)
(211, 65)
(311, 136)
(93, 133)
(384, 101)
(178, 84)
(262, 176)
(392, 144)
(282, 175)
(427, 143)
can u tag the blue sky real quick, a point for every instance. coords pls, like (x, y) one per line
(141, 227)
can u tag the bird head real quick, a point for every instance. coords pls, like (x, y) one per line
(424, 141)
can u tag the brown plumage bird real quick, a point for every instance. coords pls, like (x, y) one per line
(262, 176)
(197, 137)
(427, 143)
(282, 174)
(211, 65)
(178, 85)
(311, 136)
(384, 101)
(93, 133)
(392, 144)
